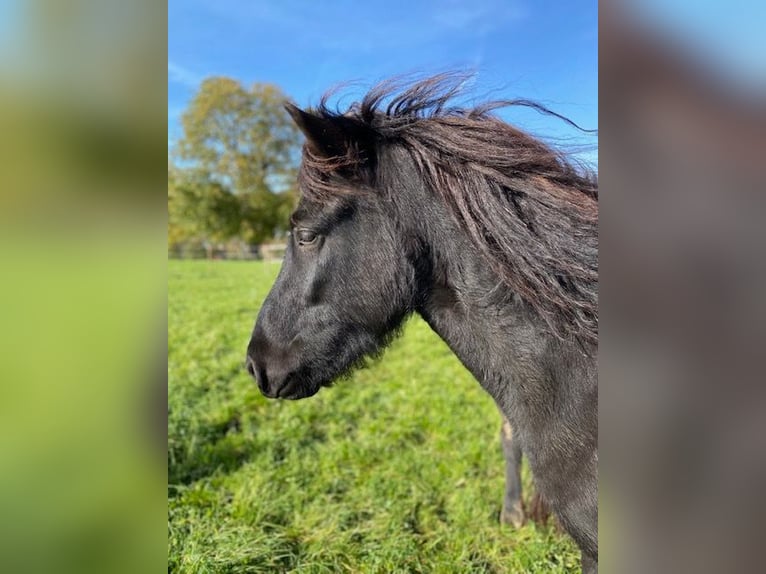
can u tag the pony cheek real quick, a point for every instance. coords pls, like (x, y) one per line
(316, 292)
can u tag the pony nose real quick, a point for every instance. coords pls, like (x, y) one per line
(270, 380)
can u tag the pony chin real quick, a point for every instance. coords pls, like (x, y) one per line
(298, 388)
(303, 392)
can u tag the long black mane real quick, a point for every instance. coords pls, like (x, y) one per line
(531, 211)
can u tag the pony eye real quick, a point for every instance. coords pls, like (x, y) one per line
(305, 236)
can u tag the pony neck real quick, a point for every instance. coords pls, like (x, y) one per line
(489, 328)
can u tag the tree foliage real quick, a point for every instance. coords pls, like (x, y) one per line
(238, 157)
(200, 208)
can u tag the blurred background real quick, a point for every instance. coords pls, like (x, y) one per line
(681, 410)
(85, 108)
(83, 285)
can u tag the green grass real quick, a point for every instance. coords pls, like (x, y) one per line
(398, 469)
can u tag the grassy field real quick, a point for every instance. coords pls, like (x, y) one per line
(397, 470)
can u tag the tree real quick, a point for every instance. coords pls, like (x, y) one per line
(200, 209)
(242, 142)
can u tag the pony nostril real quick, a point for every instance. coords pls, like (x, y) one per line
(250, 366)
(259, 374)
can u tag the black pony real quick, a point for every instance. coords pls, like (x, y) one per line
(487, 233)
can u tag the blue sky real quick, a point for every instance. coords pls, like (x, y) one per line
(543, 50)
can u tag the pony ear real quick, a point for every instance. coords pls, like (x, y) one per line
(328, 136)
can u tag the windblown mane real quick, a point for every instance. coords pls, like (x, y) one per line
(527, 207)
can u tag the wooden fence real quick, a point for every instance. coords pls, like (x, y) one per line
(263, 252)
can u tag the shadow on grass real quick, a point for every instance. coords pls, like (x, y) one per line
(226, 455)
(222, 447)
